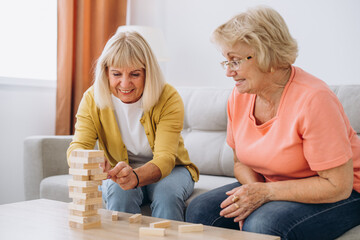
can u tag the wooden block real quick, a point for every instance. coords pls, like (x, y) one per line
(95, 183)
(84, 160)
(85, 219)
(83, 189)
(83, 213)
(89, 201)
(87, 153)
(85, 172)
(151, 231)
(85, 195)
(114, 216)
(84, 165)
(84, 225)
(135, 218)
(101, 176)
(191, 228)
(161, 224)
(81, 178)
(83, 207)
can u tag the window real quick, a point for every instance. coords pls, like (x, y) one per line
(28, 39)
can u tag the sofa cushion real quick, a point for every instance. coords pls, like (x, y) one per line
(205, 130)
(55, 188)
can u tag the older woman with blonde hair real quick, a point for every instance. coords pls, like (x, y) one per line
(137, 120)
(296, 157)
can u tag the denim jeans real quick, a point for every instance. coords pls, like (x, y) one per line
(167, 196)
(289, 220)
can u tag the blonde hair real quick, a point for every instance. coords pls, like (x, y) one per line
(123, 50)
(263, 29)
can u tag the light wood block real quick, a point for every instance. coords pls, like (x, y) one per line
(83, 213)
(85, 172)
(85, 219)
(161, 224)
(84, 165)
(114, 216)
(89, 201)
(82, 207)
(191, 228)
(151, 231)
(81, 178)
(135, 218)
(85, 195)
(101, 176)
(83, 189)
(87, 153)
(95, 183)
(84, 160)
(85, 225)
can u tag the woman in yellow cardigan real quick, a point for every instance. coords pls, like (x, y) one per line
(137, 120)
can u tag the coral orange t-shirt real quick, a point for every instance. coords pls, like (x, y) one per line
(309, 133)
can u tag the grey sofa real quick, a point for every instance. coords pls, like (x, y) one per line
(46, 169)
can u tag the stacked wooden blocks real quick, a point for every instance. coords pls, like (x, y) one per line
(83, 188)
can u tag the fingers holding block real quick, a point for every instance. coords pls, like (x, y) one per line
(151, 231)
(161, 224)
(135, 218)
(191, 228)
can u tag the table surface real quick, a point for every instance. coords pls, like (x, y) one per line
(48, 219)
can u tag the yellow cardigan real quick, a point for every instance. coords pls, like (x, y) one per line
(162, 124)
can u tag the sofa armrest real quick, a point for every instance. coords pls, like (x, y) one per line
(44, 156)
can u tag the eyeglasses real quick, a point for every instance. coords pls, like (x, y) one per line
(234, 65)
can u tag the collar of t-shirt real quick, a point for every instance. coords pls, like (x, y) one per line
(128, 117)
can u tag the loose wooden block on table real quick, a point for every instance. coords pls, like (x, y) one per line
(191, 228)
(161, 224)
(135, 218)
(151, 231)
(114, 216)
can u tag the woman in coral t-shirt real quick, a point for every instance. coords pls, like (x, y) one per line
(296, 157)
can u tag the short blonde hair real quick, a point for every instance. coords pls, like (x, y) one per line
(128, 49)
(264, 30)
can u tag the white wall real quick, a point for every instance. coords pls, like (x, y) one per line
(27, 107)
(327, 31)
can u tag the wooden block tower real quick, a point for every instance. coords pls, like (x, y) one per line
(83, 188)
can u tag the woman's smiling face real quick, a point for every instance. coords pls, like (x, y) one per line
(127, 84)
(248, 78)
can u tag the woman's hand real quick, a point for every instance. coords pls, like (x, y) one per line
(243, 200)
(123, 175)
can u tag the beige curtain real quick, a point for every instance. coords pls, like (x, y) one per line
(84, 26)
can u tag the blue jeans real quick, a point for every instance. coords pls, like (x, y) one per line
(167, 196)
(289, 220)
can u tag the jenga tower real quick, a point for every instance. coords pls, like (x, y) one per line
(83, 188)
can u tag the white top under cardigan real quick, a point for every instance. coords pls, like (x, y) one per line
(128, 117)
